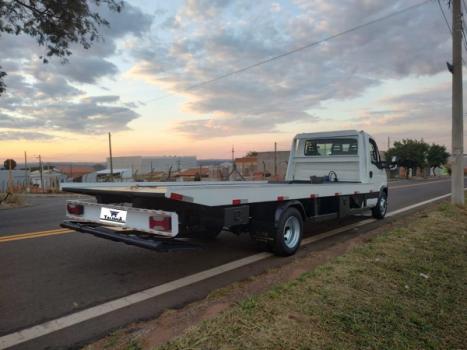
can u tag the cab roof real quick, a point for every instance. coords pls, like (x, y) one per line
(329, 134)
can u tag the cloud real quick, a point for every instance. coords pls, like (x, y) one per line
(52, 96)
(203, 9)
(423, 114)
(213, 38)
(23, 135)
(220, 127)
(91, 115)
(83, 69)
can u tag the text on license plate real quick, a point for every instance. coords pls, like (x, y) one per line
(113, 215)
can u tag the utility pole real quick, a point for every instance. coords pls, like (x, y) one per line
(26, 173)
(457, 174)
(111, 159)
(41, 171)
(10, 177)
(275, 158)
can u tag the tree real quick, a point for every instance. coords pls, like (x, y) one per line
(252, 154)
(55, 24)
(411, 153)
(436, 156)
(9, 164)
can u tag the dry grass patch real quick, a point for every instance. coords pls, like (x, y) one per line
(11, 200)
(405, 289)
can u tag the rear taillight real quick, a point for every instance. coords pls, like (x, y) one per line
(75, 209)
(160, 223)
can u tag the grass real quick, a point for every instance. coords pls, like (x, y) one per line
(133, 345)
(406, 289)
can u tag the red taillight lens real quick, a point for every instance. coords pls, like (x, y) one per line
(160, 223)
(75, 209)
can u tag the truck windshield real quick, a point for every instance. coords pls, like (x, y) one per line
(331, 147)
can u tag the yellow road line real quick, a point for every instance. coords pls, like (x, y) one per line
(17, 237)
(36, 232)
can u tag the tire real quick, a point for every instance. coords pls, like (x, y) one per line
(288, 234)
(379, 211)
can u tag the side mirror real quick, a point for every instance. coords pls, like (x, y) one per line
(393, 165)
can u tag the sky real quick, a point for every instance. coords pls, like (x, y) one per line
(389, 79)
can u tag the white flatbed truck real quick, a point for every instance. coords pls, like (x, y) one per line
(330, 175)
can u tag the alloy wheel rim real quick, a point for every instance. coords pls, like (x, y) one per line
(383, 205)
(291, 232)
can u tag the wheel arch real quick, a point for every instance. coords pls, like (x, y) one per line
(289, 204)
(384, 189)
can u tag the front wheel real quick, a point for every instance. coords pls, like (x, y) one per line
(379, 212)
(288, 234)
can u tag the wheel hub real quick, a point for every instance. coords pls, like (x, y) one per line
(291, 232)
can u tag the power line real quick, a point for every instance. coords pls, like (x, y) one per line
(463, 32)
(444, 16)
(301, 48)
(449, 27)
(463, 24)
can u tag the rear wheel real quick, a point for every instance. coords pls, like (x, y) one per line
(379, 212)
(288, 235)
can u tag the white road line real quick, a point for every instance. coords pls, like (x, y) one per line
(416, 205)
(418, 184)
(45, 328)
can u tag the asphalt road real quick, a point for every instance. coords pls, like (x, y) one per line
(47, 277)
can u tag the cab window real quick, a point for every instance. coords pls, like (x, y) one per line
(331, 147)
(374, 154)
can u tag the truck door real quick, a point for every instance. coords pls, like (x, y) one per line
(376, 173)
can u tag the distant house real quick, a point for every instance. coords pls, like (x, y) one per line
(264, 165)
(193, 174)
(49, 180)
(273, 164)
(145, 165)
(75, 172)
(246, 166)
(118, 175)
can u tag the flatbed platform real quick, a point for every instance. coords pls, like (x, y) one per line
(226, 193)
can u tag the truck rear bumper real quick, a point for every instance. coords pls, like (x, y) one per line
(131, 238)
(165, 224)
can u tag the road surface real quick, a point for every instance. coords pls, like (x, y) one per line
(53, 273)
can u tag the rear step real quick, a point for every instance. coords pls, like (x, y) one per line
(153, 243)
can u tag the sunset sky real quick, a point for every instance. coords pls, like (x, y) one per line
(389, 79)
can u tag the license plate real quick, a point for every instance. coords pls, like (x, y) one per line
(115, 216)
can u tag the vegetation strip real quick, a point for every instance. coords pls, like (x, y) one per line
(403, 290)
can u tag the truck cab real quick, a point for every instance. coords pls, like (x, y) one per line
(352, 155)
(348, 156)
